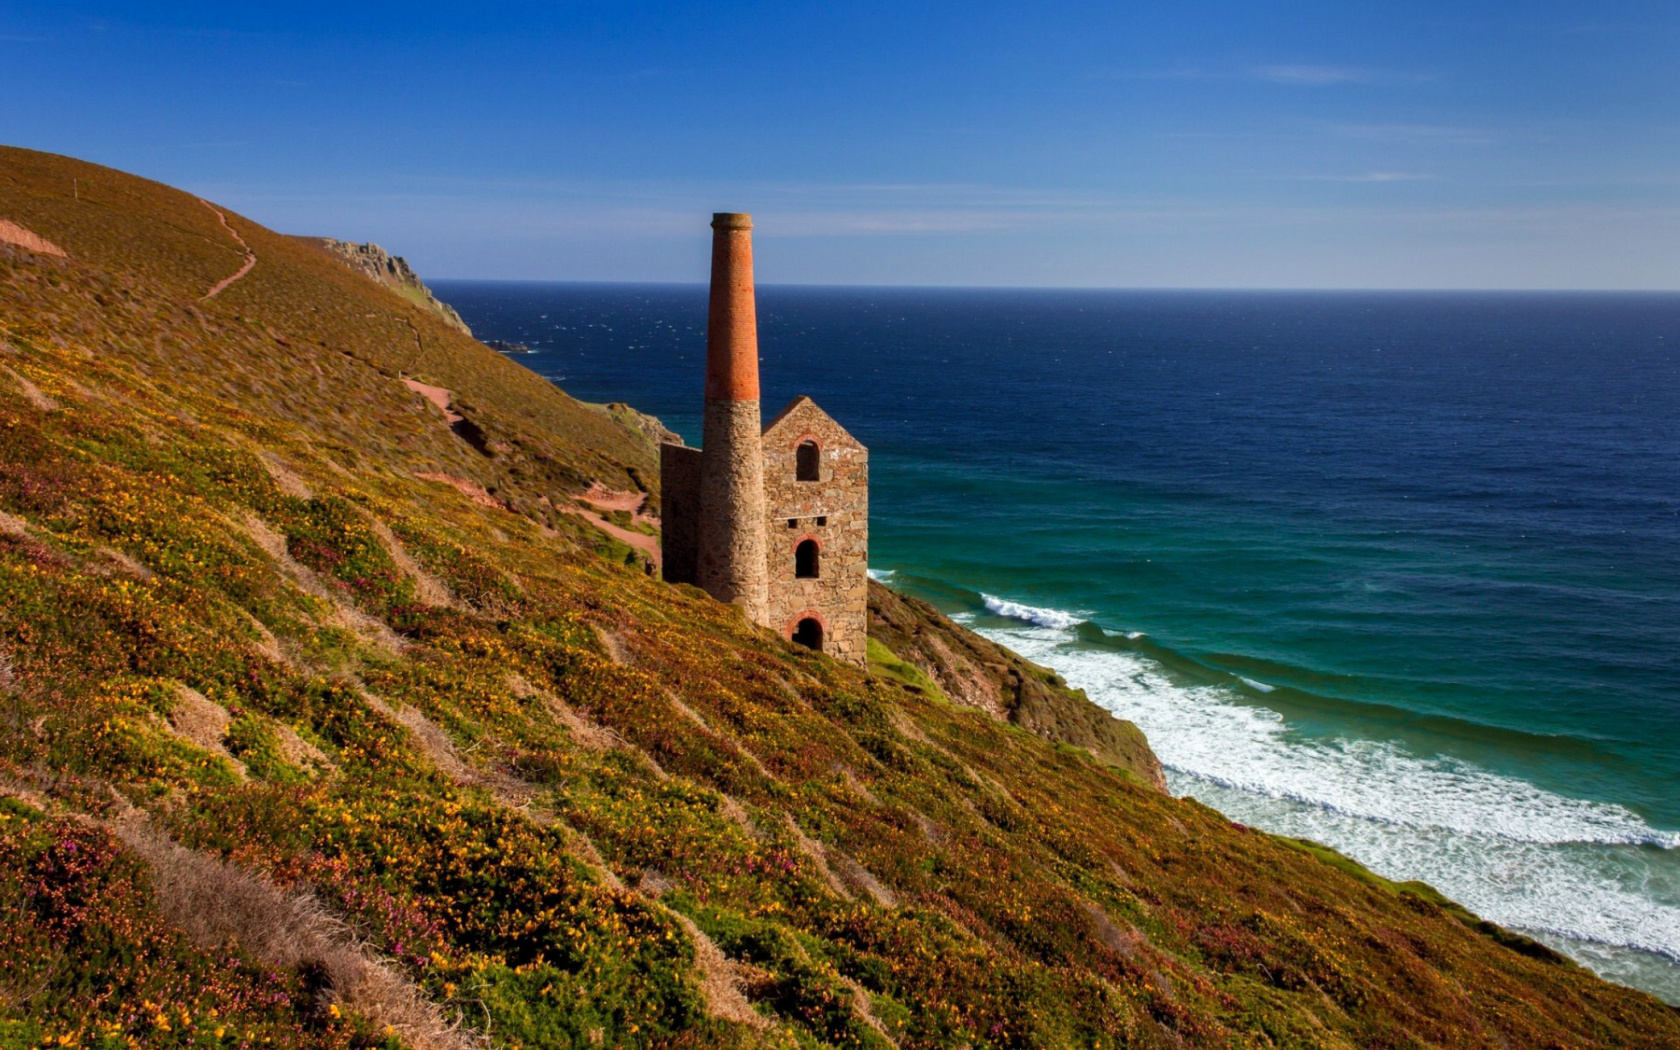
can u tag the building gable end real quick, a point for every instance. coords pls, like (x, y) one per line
(803, 418)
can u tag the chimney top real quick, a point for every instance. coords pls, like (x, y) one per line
(732, 320)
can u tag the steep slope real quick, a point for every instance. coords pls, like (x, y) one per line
(301, 337)
(984, 675)
(300, 745)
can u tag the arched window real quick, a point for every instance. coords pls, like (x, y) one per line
(805, 560)
(810, 461)
(809, 633)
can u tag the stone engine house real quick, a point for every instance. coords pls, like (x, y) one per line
(773, 518)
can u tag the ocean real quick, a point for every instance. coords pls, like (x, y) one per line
(1397, 572)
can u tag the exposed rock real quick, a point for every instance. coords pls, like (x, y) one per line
(393, 272)
(649, 427)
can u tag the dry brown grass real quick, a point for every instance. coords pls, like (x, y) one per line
(719, 980)
(202, 722)
(267, 644)
(301, 753)
(427, 588)
(344, 614)
(126, 563)
(584, 733)
(582, 847)
(215, 902)
(288, 482)
(861, 878)
(31, 392)
(817, 854)
(864, 1008)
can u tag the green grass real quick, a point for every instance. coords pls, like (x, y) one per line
(884, 663)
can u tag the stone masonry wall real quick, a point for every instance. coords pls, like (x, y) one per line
(679, 522)
(835, 512)
(731, 566)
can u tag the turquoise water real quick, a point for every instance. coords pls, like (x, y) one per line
(1397, 572)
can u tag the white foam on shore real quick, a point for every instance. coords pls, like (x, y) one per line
(1509, 850)
(880, 575)
(1052, 618)
(1252, 684)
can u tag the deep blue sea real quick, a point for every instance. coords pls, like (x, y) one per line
(1399, 572)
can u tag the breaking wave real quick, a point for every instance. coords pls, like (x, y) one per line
(1052, 618)
(1575, 872)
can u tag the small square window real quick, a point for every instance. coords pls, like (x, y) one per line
(793, 523)
(822, 519)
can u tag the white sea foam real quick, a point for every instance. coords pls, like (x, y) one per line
(880, 575)
(1053, 618)
(1252, 684)
(1525, 857)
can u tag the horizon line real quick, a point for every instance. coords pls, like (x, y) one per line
(1558, 290)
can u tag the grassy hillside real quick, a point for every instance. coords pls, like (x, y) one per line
(301, 745)
(914, 643)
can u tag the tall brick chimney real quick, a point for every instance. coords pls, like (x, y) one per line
(731, 557)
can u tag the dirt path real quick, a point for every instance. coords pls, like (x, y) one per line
(419, 344)
(250, 256)
(12, 233)
(648, 545)
(438, 396)
(606, 500)
(602, 498)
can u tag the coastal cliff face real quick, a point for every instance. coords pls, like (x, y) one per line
(393, 272)
(981, 674)
(327, 719)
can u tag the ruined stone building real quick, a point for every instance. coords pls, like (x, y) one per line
(772, 518)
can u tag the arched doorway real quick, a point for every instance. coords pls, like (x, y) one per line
(805, 560)
(809, 633)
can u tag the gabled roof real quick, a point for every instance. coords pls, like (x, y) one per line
(801, 415)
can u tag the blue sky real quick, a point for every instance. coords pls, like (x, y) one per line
(1294, 144)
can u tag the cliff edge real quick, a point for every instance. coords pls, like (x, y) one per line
(393, 272)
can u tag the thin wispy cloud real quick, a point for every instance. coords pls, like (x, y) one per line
(1369, 176)
(1285, 73)
(1441, 133)
(1313, 76)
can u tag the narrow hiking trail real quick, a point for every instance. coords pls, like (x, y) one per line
(602, 499)
(440, 398)
(250, 256)
(606, 500)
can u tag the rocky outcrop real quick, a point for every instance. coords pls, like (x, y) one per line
(649, 427)
(979, 673)
(393, 272)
